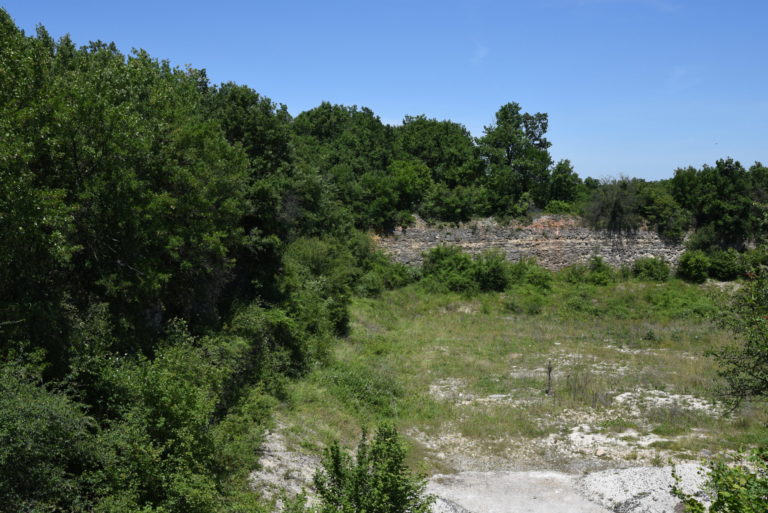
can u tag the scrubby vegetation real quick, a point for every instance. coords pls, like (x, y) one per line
(178, 260)
(376, 479)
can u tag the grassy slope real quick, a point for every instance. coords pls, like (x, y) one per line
(466, 376)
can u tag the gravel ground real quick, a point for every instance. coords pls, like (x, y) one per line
(640, 489)
(509, 492)
(631, 490)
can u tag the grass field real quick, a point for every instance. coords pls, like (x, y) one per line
(465, 378)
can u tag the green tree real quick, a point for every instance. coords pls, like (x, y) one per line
(564, 183)
(662, 212)
(441, 203)
(262, 127)
(445, 147)
(720, 200)
(516, 156)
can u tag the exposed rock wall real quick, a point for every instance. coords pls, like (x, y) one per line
(554, 241)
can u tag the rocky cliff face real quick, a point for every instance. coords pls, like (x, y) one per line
(554, 241)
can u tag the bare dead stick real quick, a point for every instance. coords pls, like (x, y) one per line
(549, 377)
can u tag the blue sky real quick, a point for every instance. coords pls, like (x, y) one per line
(638, 87)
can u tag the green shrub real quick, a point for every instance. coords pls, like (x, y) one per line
(526, 270)
(240, 432)
(726, 265)
(624, 272)
(744, 362)
(490, 271)
(317, 278)
(377, 271)
(595, 272)
(376, 479)
(574, 273)
(756, 258)
(651, 269)
(600, 273)
(693, 266)
(381, 274)
(447, 268)
(47, 446)
(558, 207)
(741, 488)
(539, 277)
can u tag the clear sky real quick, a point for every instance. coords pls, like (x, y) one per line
(638, 87)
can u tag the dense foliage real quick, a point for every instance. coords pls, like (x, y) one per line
(167, 263)
(744, 364)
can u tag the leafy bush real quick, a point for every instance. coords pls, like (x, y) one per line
(47, 446)
(693, 266)
(558, 207)
(490, 271)
(574, 273)
(756, 258)
(726, 264)
(741, 488)
(448, 268)
(526, 270)
(381, 274)
(744, 364)
(650, 269)
(317, 279)
(600, 273)
(376, 479)
(595, 272)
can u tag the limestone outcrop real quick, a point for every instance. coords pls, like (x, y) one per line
(555, 241)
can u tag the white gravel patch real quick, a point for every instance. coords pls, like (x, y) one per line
(509, 492)
(631, 490)
(641, 489)
(282, 471)
(660, 399)
(583, 437)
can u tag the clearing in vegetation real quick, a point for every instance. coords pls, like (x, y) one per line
(465, 379)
